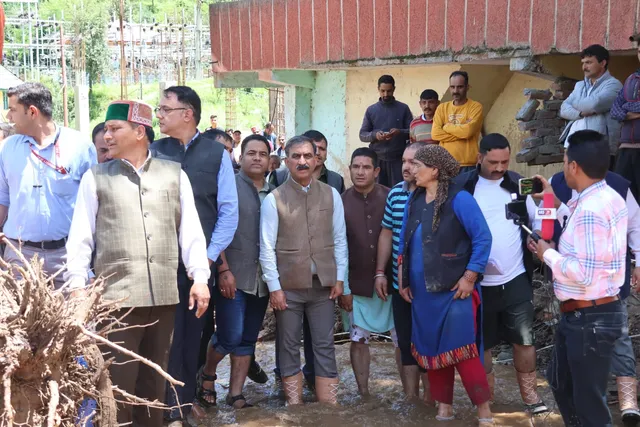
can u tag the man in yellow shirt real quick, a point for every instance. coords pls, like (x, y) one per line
(457, 123)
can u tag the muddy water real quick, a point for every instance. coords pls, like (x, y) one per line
(385, 408)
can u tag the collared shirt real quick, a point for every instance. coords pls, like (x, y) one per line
(40, 199)
(227, 199)
(81, 241)
(392, 220)
(633, 222)
(262, 194)
(269, 221)
(590, 261)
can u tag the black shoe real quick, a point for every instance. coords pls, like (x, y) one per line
(256, 374)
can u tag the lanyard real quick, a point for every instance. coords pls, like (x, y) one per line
(60, 169)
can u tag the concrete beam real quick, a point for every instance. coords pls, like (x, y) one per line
(300, 78)
(241, 79)
(531, 66)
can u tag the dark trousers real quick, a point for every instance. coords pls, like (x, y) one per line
(390, 172)
(581, 363)
(209, 323)
(137, 378)
(628, 165)
(308, 370)
(185, 348)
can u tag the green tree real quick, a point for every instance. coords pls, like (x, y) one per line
(89, 27)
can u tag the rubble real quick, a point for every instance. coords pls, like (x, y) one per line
(53, 372)
(545, 126)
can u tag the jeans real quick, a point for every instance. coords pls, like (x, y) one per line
(238, 322)
(308, 370)
(581, 363)
(623, 362)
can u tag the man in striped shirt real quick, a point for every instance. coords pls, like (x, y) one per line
(388, 248)
(588, 270)
(420, 127)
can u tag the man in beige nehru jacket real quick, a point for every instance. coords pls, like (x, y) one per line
(303, 253)
(136, 212)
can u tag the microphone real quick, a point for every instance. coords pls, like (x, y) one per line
(547, 213)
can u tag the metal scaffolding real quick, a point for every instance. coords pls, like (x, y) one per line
(176, 49)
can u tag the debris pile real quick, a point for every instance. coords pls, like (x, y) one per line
(545, 126)
(53, 373)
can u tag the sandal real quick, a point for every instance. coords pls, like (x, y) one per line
(230, 400)
(203, 393)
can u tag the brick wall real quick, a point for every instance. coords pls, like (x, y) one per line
(259, 34)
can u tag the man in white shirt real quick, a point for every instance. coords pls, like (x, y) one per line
(507, 293)
(303, 254)
(138, 214)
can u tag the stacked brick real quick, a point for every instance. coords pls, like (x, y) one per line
(543, 145)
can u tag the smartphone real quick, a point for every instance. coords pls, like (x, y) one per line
(527, 186)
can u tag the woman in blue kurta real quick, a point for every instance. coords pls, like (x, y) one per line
(445, 246)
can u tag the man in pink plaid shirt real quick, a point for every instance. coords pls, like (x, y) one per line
(588, 270)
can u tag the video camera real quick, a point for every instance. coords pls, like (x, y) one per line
(515, 211)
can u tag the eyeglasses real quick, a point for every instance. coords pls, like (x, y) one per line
(165, 110)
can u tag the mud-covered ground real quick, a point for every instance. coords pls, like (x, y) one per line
(385, 408)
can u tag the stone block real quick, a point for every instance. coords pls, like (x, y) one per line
(533, 124)
(540, 132)
(528, 110)
(544, 114)
(551, 149)
(552, 139)
(531, 143)
(526, 155)
(554, 123)
(561, 95)
(563, 84)
(552, 105)
(543, 94)
(544, 160)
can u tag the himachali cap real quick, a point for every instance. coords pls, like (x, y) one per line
(131, 111)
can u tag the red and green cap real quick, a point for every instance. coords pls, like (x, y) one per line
(131, 111)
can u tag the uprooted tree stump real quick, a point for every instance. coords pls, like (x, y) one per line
(50, 364)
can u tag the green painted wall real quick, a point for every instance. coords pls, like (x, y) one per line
(328, 115)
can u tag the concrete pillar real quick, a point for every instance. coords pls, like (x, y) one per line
(329, 116)
(81, 106)
(297, 110)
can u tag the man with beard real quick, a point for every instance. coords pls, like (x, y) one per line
(388, 248)
(364, 210)
(303, 253)
(386, 127)
(457, 124)
(420, 128)
(138, 213)
(211, 174)
(507, 292)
